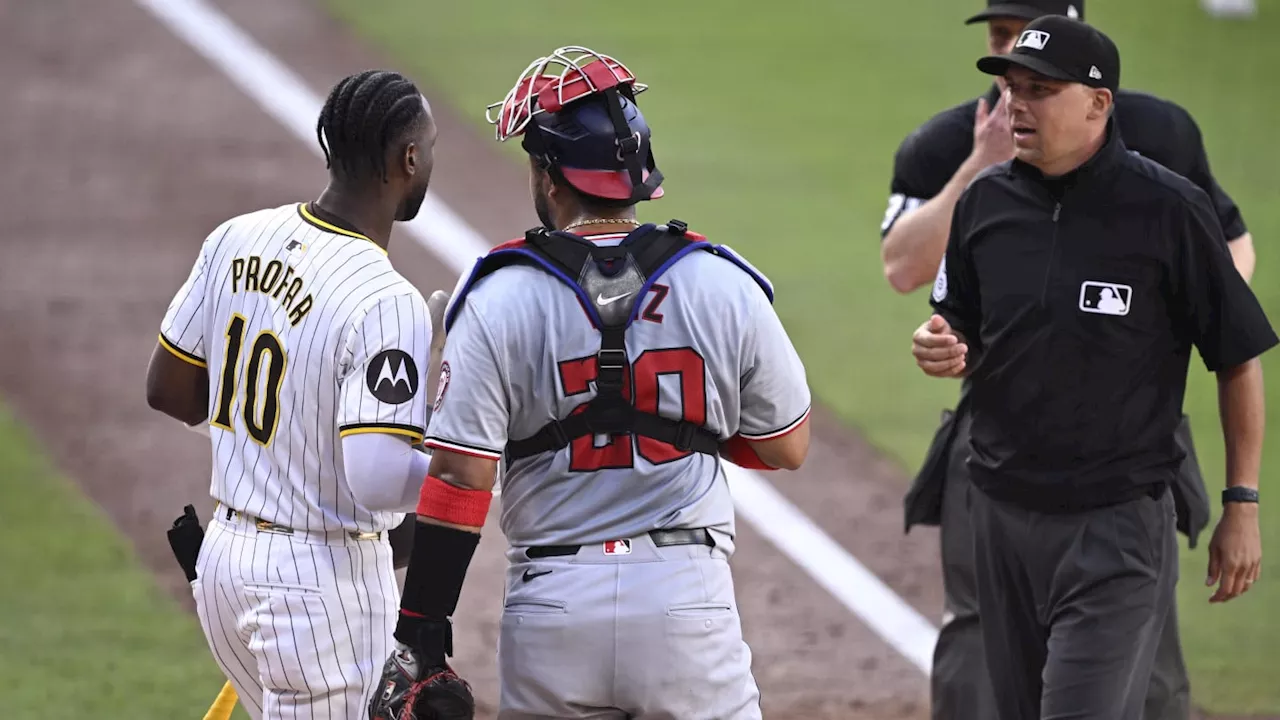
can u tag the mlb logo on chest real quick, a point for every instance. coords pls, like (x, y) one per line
(1105, 298)
(1034, 39)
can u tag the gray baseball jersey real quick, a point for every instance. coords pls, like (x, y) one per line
(707, 348)
(308, 334)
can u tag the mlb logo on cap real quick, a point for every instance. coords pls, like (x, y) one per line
(617, 547)
(1034, 39)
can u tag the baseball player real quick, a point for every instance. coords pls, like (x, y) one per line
(600, 366)
(301, 352)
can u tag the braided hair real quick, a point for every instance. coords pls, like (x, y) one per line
(365, 115)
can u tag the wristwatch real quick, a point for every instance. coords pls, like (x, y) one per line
(1239, 494)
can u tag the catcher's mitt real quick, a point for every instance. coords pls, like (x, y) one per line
(412, 692)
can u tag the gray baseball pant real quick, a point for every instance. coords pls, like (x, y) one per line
(1073, 604)
(649, 635)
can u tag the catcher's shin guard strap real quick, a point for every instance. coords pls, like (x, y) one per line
(437, 567)
(441, 501)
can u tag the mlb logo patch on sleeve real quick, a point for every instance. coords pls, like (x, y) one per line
(1105, 298)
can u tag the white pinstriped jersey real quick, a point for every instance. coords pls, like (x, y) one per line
(308, 334)
(707, 347)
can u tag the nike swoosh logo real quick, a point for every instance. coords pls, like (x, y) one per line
(602, 300)
(529, 574)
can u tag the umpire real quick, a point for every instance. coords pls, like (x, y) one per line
(931, 167)
(1076, 278)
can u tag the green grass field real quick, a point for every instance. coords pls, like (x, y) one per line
(85, 626)
(779, 141)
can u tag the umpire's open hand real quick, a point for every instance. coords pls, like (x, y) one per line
(1235, 552)
(938, 349)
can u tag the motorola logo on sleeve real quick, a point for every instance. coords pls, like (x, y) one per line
(392, 377)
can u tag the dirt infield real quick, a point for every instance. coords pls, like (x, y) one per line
(124, 148)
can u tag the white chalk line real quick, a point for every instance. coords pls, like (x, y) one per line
(285, 97)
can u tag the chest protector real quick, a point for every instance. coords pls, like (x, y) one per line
(611, 282)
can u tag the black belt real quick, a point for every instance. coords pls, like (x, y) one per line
(661, 538)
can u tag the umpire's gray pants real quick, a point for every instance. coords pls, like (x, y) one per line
(650, 635)
(1072, 605)
(960, 688)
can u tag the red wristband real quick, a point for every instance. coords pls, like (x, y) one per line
(738, 451)
(441, 501)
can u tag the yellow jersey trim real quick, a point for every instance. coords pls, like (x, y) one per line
(327, 227)
(181, 354)
(386, 430)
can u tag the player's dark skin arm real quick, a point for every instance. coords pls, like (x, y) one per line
(177, 388)
(464, 471)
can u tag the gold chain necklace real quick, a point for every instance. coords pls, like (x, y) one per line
(601, 221)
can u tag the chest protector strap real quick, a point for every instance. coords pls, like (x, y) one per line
(612, 283)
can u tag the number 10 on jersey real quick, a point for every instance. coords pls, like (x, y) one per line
(261, 415)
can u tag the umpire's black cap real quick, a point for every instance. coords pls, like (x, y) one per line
(1029, 9)
(1062, 49)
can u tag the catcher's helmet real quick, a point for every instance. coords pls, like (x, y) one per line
(583, 124)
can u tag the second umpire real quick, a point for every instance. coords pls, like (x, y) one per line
(1076, 280)
(931, 167)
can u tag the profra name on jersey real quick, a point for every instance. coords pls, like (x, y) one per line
(273, 279)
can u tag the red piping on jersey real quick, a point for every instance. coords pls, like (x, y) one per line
(509, 245)
(794, 426)
(519, 242)
(438, 445)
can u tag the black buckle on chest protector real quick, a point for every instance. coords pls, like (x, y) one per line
(609, 413)
(611, 363)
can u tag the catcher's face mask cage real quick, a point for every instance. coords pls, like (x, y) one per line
(576, 110)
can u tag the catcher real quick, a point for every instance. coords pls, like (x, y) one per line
(601, 366)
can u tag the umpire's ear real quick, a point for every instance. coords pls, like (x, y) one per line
(401, 538)
(1103, 102)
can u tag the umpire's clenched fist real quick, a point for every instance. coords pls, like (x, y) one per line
(939, 350)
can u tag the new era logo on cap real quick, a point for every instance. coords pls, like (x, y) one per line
(1094, 72)
(1034, 39)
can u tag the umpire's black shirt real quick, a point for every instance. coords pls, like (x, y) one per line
(1080, 298)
